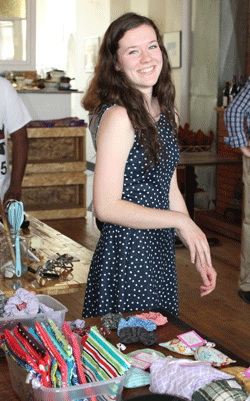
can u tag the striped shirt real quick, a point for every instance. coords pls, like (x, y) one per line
(235, 115)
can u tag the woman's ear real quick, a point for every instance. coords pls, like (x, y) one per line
(117, 68)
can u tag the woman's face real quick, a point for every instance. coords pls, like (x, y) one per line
(140, 57)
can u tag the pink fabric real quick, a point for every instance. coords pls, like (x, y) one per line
(155, 317)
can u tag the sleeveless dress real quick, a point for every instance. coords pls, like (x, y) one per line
(134, 269)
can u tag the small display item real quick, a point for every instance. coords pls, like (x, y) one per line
(137, 363)
(191, 339)
(176, 345)
(212, 355)
(136, 378)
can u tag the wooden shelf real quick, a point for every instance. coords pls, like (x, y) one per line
(54, 185)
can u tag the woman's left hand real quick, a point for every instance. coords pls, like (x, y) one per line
(208, 275)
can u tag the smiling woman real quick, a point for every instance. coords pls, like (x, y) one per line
(136, 194)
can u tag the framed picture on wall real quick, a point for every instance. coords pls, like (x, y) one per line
(172, 43)
(91, 47)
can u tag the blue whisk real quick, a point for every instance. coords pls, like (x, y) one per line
(16, 217)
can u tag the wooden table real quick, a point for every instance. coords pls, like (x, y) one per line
(199, 159)
(52, 242)
(165, 333)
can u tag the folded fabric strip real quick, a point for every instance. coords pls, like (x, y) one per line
(18, 360)
(67, 348)
(136, 322)
(45, 376)
(53, 362)
(76, 351)
(52, 349)
(70, 360)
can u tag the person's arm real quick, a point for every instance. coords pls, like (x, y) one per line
(19, 160)
(194, 239)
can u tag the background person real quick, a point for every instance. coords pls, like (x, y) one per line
(136, 193)
(13, 119)
(235, 116)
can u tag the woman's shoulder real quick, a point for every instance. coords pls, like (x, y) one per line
(116, 115)
(113, 111)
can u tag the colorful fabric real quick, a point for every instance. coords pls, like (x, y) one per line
(70, 361)
(76, 352)
(101, 360)
(156, 317)
(136, 322)
(212, 355)
(54, 351)
(221, 390)
(176, 345)
(111, 320)
(136, 378)
(62, 122)
(181, 377)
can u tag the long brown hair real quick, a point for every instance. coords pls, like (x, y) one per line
(110, 86)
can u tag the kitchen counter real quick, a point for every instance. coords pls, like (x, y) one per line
(44, 104)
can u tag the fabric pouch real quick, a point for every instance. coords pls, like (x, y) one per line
(228, 390)
(176, 345)
(101, 360)
(136, 377)
(212, 355)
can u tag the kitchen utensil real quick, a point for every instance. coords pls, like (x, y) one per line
(5, 223)
(16, 217)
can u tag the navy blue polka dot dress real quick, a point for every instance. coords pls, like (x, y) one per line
(134, 269)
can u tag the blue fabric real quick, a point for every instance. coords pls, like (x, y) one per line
(234, 117)
(134, 269)
(136, 322)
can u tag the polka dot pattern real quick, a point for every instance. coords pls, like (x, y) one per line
(134, 269)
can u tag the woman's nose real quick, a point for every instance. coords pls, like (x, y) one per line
(145, 56)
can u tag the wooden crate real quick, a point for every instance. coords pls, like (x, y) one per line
(54, 185)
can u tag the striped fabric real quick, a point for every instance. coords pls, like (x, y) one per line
(101, 360)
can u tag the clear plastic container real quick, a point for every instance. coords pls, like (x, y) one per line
(58, 316)
(98, 391)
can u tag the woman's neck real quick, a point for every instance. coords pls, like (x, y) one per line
(153, 108)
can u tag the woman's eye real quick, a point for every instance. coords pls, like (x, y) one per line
(133, 52)
(153, 47)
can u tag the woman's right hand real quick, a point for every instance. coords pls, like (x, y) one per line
(195, 240)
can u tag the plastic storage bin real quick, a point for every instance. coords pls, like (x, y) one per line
(58, 316)
(98, 391)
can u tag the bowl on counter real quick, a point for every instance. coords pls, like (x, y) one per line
(51, 85)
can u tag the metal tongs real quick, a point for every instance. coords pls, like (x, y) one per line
(51, 267)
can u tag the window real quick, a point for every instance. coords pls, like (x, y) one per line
(17, 34)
